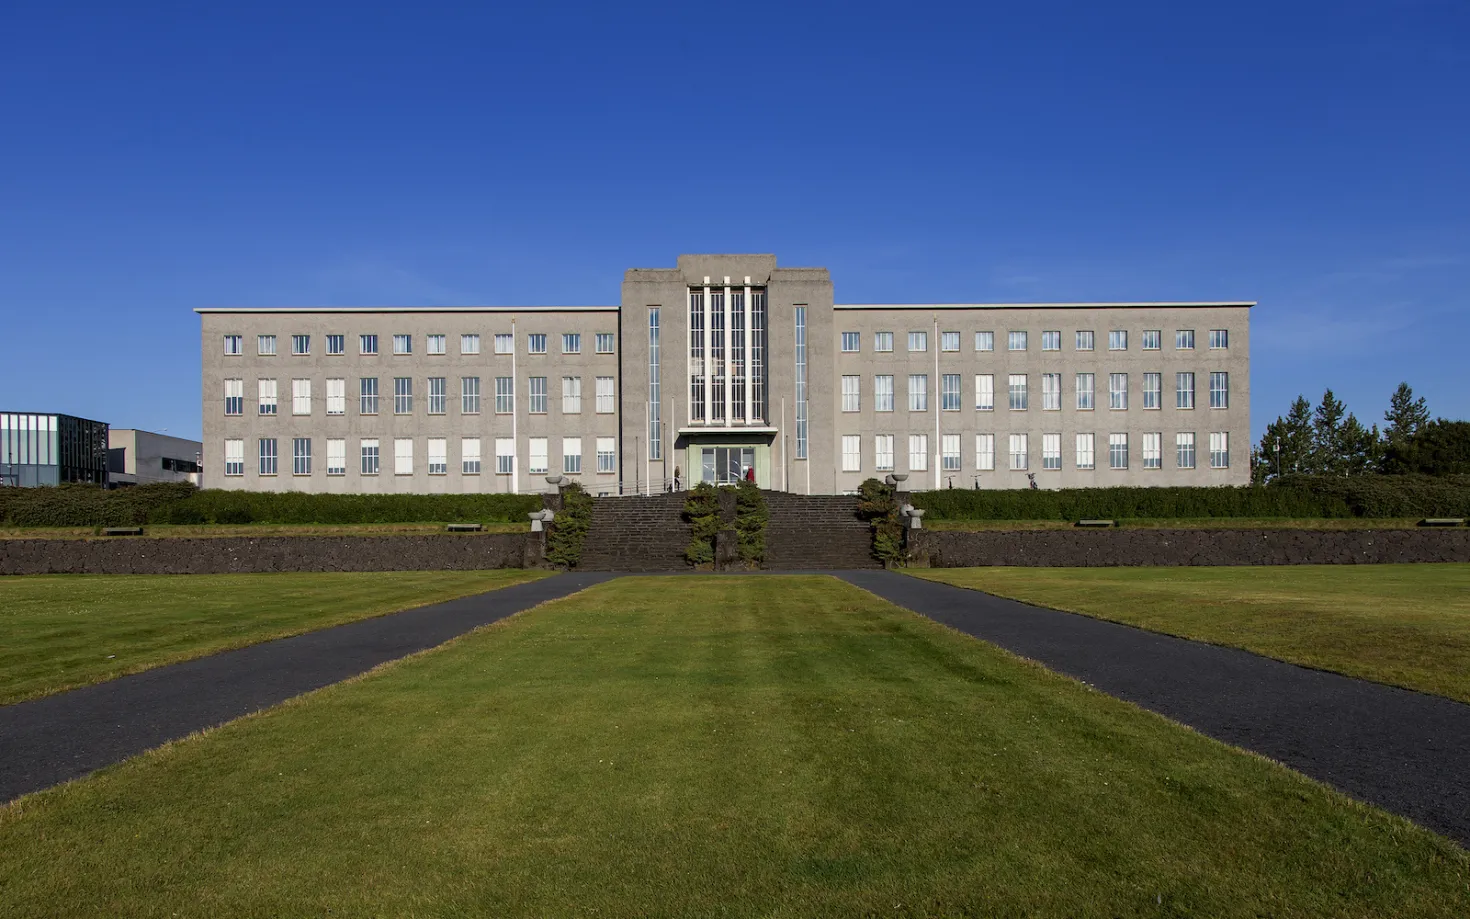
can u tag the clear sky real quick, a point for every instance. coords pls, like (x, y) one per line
(155, 158)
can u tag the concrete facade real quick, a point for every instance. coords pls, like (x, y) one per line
(143, 458)
(684, 430)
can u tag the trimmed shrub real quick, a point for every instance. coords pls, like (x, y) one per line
(878, 504)
(1125, 502)
(569, 528)
(751, 517)
(702, 510)
(1389, 495)
(88, 505)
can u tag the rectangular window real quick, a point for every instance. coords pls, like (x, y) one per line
(336, 456)
(438, 456)
(1118, 391)
(1051, 451)
(852, 453)
(918, 341)
(571, 395)
(267, 396)
(882, 341)
(1051, 341)
(883, 452)
(505, 395)
(402, 395)
(234, 457)
(1019, 459)
(918, 452)
(233, 345)
(469, 395)
(336, 397)
(1085, 389)
(1016, 341)
(438, 395)
(1184, 340)
(367, 344)
(606, 395)
(949, 341)
(984, 341)
(505, 456)
(571, 343)
(235, 398)
(469, 455)
(268, 456)
(1153, 384)
(436, 344)
(1219, 339)
(1184, 390)
(984, 392)
(1019, 398)
(1184, 450)
(1085, 447)
(1118, 340)
(368, 396)
(403, 344)
(336, 344)
(301, 456)
(1153, 450)
(1117, 451)
(1152, 339)
(851, 397)
(949, 453)
(918, 392)
(536, 344)
(300, 344)
(403, 456)
(1219, 390)
(883, 393)
(368, 450)
(1220, 450)
(469, 343)
(607, 455)
(571, 455)
(985, 452)
(505, 343)
(801, 405)
(1084, 341)
(301, 397)
(949, 392)
(851, 342)
(265, 345)
(655, 400)
(605, 342)
(1051, 392)
(538, 396)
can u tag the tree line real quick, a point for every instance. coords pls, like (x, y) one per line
(1328, 440)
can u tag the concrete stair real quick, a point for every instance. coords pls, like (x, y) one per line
(637, 533)
(816, 531)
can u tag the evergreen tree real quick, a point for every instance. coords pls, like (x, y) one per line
(1327, 455)
(1286, 446)
(1406, 416)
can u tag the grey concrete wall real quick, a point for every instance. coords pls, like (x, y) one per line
(143, 453)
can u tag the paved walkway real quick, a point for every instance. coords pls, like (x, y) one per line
(1404, 751)
(50, 740)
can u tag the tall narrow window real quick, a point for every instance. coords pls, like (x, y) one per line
(1020, 458)
(696, 355)
(438, 395)
(607, 397)
(985, 452)
(801, 405)
(984, 392)
(1153, 450)
(1085, 384)
(1051, 392)
(268, 456)
(469, 455)
(436, 344)
(1153, 383)
(301, 397)
(883, 393)
(1118, 451)
(738, 361)
(1019, 398)
(438, 456)
(267, 391)
(368, 450)
(540, 453)
(505, 456)
(1086, 444)
(1184, 449)
(1051, 451)
(538, 396)
(301, 456)
(851, 392)
(235, 399)
(336, 456)
(337, 397)
(1220, 450)
(469, 395)
(918, 392)
(607, 455)
(852, 453)
(655, 416)
(1118, 391)
(403, 456)
(883, 452)
(949, 393)
(918, 452)
(234, 457)
(571, 455)
(368, 396)
(571, 395)
(505, 395)
(759, 411)
(402, 395)
(1184, 390)
(1219, 390)
(949, 453)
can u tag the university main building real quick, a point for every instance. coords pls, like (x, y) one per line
(724, 364)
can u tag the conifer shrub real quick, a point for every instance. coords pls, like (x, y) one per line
(702, 510)
(568, 533)
(751, 517)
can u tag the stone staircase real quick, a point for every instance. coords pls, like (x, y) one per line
(637, 533)
(816, 531)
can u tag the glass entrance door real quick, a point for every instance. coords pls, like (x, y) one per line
(726, 465)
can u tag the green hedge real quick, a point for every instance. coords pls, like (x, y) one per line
(1390, 495)
(88, 505)
(1115, 503)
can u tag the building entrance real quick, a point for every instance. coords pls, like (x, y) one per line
(726, 465)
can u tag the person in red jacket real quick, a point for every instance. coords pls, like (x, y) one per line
(750, 474)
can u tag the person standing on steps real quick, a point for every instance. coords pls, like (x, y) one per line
(676, 478)
(750, 474)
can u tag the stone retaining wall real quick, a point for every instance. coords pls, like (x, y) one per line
(1079, 548)
(236, 554)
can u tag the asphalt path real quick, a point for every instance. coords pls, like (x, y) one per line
(50, 740)
(1404, 751)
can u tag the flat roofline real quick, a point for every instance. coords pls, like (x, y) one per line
(1176, 304)
(405, 309)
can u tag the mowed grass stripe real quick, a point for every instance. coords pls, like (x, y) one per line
(62, 631)
(1404, 625)
(751, 746)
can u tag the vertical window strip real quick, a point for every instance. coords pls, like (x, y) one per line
(801, 406)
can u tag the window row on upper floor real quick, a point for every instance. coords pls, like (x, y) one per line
(1083, 340)
(1018, 391)
(434, 344)
(1018, 455)
(435, 397)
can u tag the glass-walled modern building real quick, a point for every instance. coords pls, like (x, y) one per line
(38, 449)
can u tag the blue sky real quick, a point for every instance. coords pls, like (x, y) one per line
(156, 158)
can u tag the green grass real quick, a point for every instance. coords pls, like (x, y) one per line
(211, 530)
(739, 747)
(1192, 523)
(1406, 625)
(62, 631)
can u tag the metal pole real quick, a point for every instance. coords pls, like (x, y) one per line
(515, 441)
(938, 403)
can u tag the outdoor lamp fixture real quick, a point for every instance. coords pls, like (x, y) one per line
(539, 519)
(557, 480)
(896, 479)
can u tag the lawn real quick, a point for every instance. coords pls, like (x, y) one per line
(1406, 625)
(61, 631)
(749, 746)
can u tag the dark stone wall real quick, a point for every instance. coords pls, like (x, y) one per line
(231, 554)
(1079, 548)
